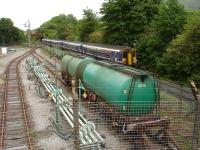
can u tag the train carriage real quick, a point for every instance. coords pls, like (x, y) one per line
(121, 55)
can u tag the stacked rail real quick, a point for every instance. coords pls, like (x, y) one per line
(89, 137)
(14, 130)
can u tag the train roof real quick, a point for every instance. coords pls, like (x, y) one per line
(72, 43)
(101, 48)
(92, 45)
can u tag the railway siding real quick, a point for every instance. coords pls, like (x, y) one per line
(15, 125)
(177, 90)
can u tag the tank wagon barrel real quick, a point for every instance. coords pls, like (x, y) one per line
(132, 90)
(128, 91)
(127, 96)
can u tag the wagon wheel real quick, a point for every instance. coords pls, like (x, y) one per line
(161, 137)
(158, 135)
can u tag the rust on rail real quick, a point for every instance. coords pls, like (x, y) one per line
(14, 119)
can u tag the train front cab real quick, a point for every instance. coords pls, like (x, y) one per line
(129, 57)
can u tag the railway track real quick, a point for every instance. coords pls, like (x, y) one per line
(49, 66)
(15, 124)
(177, 90)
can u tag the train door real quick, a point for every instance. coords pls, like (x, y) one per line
(129, 56)
(118, 58)
(124, 57)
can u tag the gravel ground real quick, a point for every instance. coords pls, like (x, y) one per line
(5, 59)
(40, 110)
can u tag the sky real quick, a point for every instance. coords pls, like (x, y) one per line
(39, 11)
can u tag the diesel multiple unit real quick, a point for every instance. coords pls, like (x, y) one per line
(121, 55)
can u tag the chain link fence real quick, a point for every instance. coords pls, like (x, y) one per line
(173, 124)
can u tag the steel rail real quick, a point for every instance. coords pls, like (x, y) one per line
(177, 90)
(14, 64)
(39, 57)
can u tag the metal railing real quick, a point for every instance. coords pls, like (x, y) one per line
(89, 137)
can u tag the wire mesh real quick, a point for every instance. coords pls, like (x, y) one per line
(168, 124)
(171, 123)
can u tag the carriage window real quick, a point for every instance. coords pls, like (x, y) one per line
(119, 56)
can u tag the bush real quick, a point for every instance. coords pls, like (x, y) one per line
(196, 79)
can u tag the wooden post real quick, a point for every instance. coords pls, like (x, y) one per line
(158, 96)
(181, 98)
(75, 115)
(196, 95)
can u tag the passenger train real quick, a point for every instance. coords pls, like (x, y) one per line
(120, 54)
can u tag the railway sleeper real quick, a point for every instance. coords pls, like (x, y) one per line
(23, 147)
(14, 117)
(13, 122)
(13, 145)
(15, 136)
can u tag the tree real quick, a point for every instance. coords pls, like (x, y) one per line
(8, 33)
(165, 26)
(125, 20)
(169, 21)
(60, 27)
(181, 60)
(96, 37)
(87, 25)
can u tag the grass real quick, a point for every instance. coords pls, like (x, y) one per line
(32, 133)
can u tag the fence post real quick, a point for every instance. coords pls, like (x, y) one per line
(75, 115)
(181, 97)
(196, 95)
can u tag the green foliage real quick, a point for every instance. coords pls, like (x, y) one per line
(125, 20)
(181, 60)
(150, 48)
(68, 27)
(167, 24)
(87, 25)
(169, 21)
(196, 79)
(9, 34)
(96, 37)
(60, 27)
